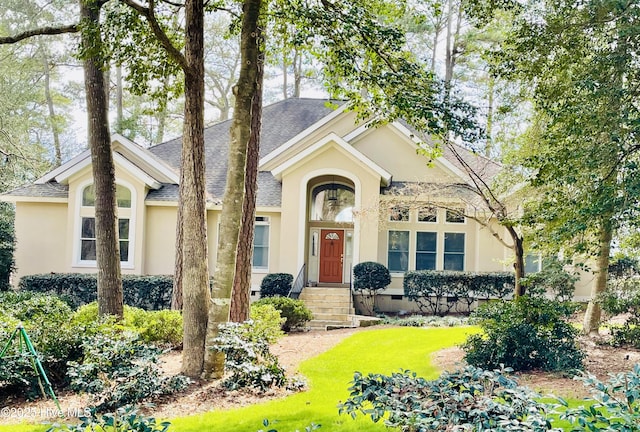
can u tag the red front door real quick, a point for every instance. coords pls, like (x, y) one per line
(331, 246)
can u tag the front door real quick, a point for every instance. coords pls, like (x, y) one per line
(331, 255)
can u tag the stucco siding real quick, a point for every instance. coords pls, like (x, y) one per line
(41, 230)
(159, 240)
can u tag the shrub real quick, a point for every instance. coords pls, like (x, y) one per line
(623, 297)
(161, 327)
(616, 407)
(146, 292)
(7, 244)
(369, 278)
(120, 370)
(524, 334)
(276, 284)
(294, 311)
(552, 279)
(438, 292)
(267, 323)
(247, 358)
(46, 320)
(427, 321)
(467, 399)
(124, 419)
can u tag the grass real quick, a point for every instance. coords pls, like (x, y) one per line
(329, 374)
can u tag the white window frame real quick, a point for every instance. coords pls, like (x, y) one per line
(90, 212)
(457, 210)
(463, 253)
(409, 247)
(435, 210)
(262, 221)
(435, 253)
(399, 208)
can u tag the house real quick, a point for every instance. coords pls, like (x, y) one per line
(324, 203)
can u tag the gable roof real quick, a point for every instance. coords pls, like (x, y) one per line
(281, 122)
(284, 124)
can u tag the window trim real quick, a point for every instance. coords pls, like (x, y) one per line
(435, 252)
(434, 222)
(82, 211)
(463, 253)
(266, 221)
(400, 207)
(397, 272)
(464, 218)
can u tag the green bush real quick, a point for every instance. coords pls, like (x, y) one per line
(525, 334)
(553, 279)
(276, 284)
(426, 321)
(267, 322)
(294, 311)
(368, 278)
(124, 419)
(162, 327)
(470, 399)
(439, 292)
(247, 358)
(616, 404)
(145, 292)
(120, 370)
(7, 244)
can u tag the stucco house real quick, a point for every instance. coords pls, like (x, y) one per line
(322, 206)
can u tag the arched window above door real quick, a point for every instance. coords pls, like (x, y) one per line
(332, 202)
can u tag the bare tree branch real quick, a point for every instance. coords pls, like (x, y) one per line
(43, 31)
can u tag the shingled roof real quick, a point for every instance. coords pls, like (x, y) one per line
(281, 121)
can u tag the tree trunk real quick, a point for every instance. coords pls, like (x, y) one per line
(297, 73)
(591, 322)
(232, 205)
(176, 295)
(119, 115)
(241, 293)
(195, 270)
(53, 121)
(106, 223)
(518, 264)
(491, 89)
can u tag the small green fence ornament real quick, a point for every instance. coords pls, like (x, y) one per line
(20, 337)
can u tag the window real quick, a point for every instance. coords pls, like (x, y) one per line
(398, 253)
(426, 251)
(428, 214)
(87, 243)
(260, 259)
(532, 263)
(455, 216)
(454, 251)
(399, 214)
(332, 202)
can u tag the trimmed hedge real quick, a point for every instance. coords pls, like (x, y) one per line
(276, 284)
(438, 292)
(78, 289)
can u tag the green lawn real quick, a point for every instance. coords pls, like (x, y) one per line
(378, 350)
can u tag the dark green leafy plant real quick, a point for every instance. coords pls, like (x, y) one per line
(294, 311)
(467, 399)
(616, 407)
(439, 292)
(368, 278)
(247, 358)
(553, 279)
(276, 284)
(46, 319)
(120, 370)
(145, 292)
(7, 244)
(124, 419)
(623, 297)
(524, 334)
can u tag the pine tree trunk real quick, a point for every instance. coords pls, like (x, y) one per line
(195, 270)
(518, 264)
(106, 223)
(176, 295)
(592, 316)
(232, 205)
(55, 130)
(241, 293)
